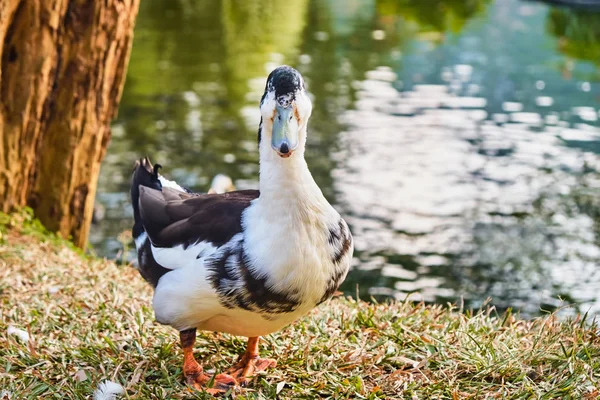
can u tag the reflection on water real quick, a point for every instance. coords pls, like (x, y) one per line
(460, 138)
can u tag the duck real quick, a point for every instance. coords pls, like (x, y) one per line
(244, 262)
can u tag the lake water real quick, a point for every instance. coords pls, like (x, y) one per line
(460, 139)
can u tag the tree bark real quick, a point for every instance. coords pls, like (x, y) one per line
(62, 72)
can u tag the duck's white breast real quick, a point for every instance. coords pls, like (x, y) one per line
(289, 248)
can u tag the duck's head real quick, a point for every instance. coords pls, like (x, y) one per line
(285, 108)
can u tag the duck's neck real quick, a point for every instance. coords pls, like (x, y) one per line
(287, 182)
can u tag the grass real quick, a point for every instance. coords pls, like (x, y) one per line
(90, 320)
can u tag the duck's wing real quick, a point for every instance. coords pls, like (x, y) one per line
(174, 227)
(173, 218)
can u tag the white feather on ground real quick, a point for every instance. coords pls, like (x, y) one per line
(108, 390)
(20, 333)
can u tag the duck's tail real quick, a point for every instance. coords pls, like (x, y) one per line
(146, 175)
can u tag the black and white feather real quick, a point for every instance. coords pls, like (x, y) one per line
(245, 262)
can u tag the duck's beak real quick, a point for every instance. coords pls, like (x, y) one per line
(284, 139)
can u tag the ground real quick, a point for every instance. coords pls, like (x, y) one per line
(90, 320)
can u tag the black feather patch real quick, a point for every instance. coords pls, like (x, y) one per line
(238, 286)
(334, 283)
(341, 239)
(285, 81)
(173, 218)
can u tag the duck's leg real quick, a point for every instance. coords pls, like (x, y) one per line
(193, 372)
(249, 362)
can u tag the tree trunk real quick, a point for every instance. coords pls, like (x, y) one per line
(62, 73)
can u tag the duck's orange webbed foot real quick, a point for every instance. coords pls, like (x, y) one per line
(249, 363)
(193, 372)
(222, 383)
